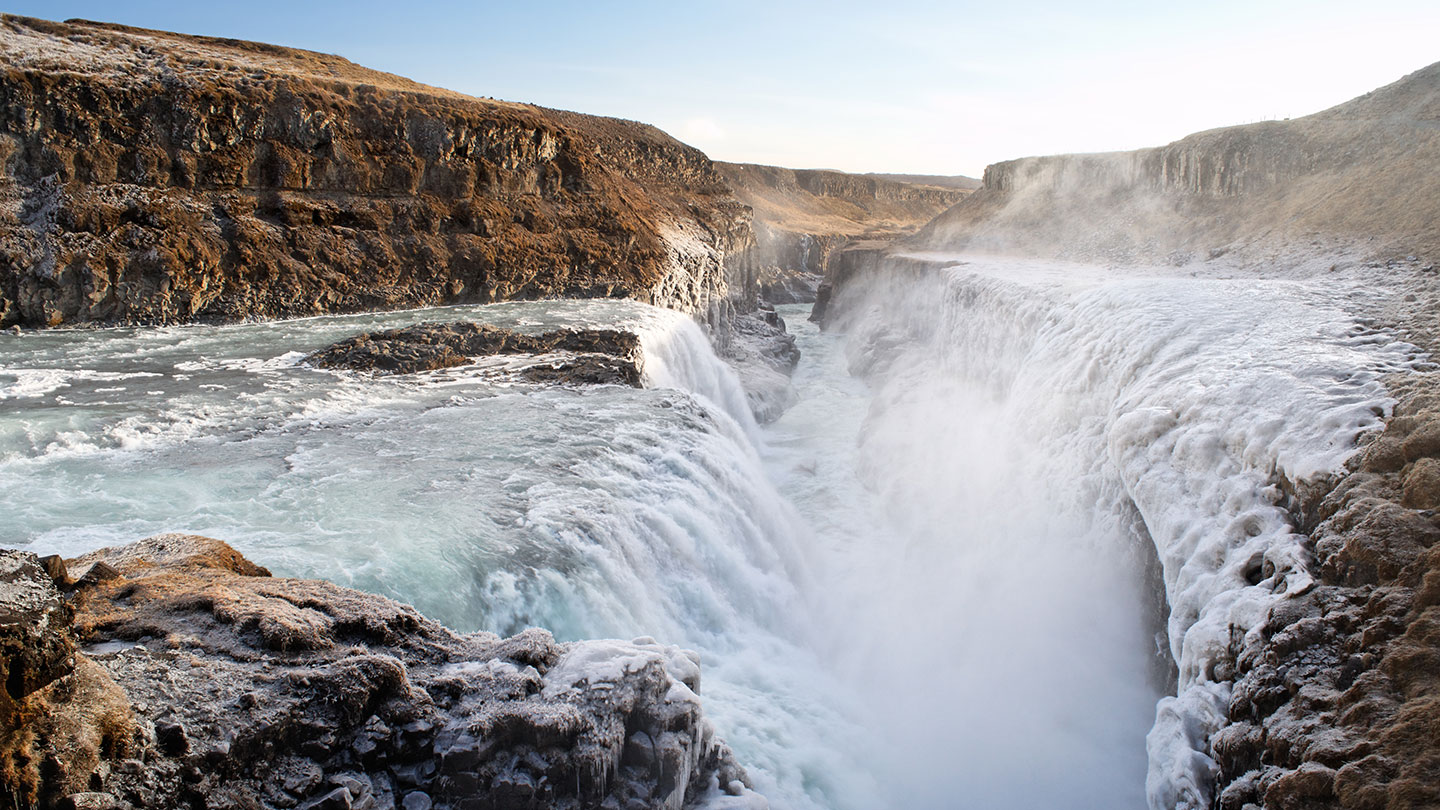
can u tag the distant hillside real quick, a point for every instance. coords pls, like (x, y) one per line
(1363, 174)
(802, 215)
(958, 182)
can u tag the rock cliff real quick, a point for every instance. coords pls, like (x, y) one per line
(202, 681)
(802, 216)
(150, 177)
(1357, 177)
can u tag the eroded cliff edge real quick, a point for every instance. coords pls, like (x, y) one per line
(175, 673)
(150, 177)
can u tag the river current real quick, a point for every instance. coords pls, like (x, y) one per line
(940, 580)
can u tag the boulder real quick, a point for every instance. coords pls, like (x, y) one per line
(35, 642)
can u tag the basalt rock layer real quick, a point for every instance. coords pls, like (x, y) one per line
(149, 177)
(205, 682)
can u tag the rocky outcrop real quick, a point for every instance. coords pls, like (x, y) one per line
(1355, 177)
(35, 643)
(148, 177)
(802, 216)
(1339, 707)
(592, 355)
(764, 356)
(205, 682)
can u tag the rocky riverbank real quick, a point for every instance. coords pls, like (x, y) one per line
(173, 672)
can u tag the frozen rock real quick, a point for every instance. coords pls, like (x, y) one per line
(252, 690)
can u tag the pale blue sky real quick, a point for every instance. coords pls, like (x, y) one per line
(898, 86)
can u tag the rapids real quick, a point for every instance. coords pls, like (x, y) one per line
(938, 584)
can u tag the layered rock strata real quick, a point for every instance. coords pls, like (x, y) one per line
(202, 681)
(149, 177)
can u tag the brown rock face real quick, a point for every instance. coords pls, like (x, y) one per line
(35, 644)
(149, 177)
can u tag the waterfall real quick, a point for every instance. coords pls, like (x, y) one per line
(939, 581)
(1037, 432)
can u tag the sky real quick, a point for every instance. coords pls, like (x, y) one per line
(887, 86)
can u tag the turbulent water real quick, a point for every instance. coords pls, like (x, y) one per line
(935, 584)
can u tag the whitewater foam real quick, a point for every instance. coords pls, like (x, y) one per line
(1095, 410)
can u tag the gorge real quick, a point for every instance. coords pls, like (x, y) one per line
(1112, 487)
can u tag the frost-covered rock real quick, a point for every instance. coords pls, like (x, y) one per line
(250, 690)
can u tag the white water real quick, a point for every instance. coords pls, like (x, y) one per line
(921, 595)
(1037, 428)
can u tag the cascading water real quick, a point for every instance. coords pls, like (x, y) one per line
(1038, 431)
(925, 588)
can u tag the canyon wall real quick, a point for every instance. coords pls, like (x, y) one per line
(148, 177)
(1356, 177)
(802, 216)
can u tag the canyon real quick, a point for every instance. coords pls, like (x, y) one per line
(1327, 698)
(1121, 463)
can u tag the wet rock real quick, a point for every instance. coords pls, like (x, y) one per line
(54, 566)
(763, 355)
(90, 801)
(1302, 788)
(170, 738)
(1335, 709)
(1422, 485)
(590, 356)
(97, 573)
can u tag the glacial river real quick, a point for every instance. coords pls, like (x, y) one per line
(934, 585)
